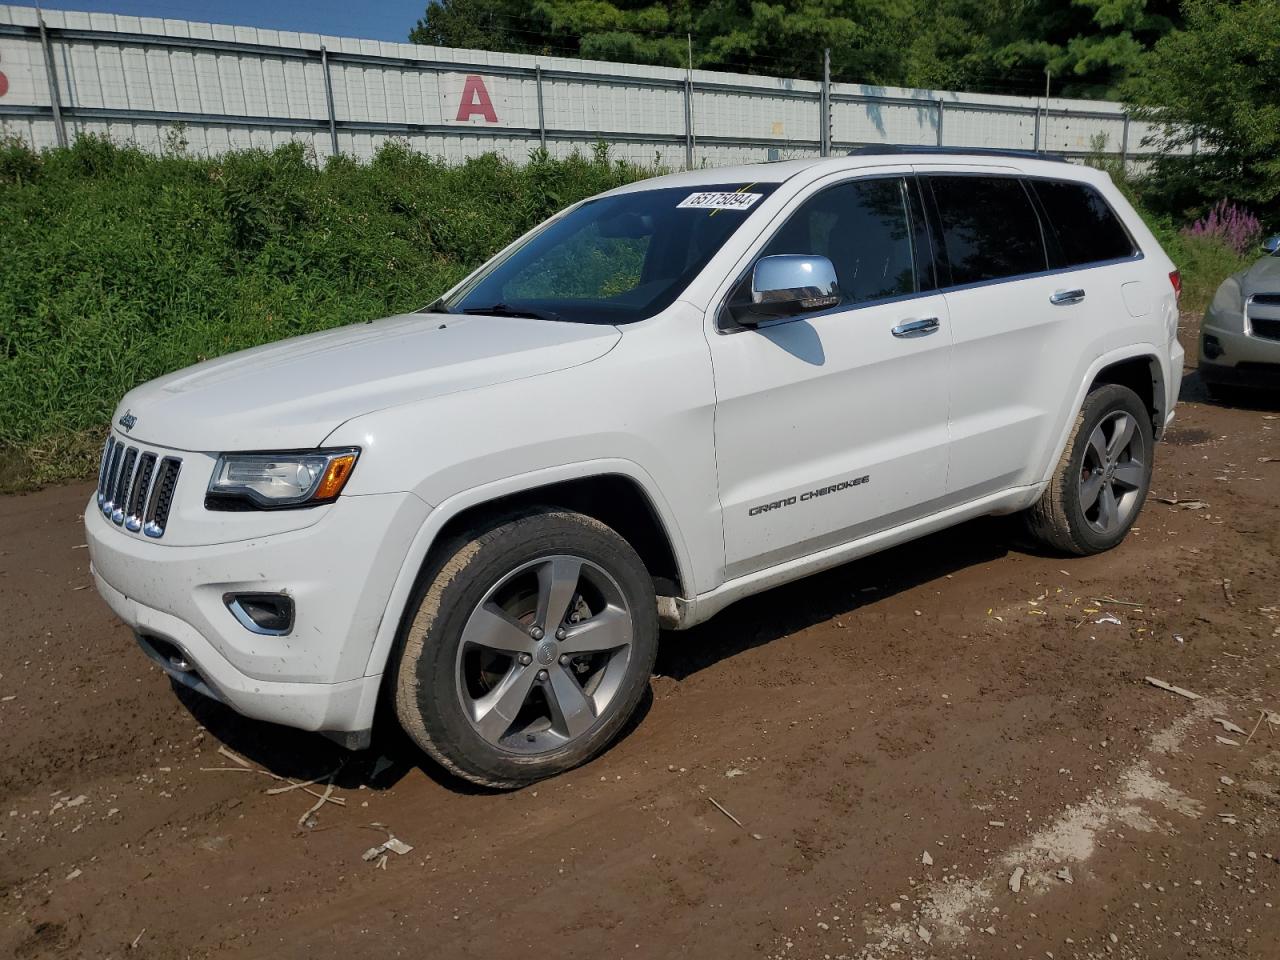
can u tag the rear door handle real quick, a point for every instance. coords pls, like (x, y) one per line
(1061, 297)
(917, 328)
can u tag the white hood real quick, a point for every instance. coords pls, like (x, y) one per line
(292, 394)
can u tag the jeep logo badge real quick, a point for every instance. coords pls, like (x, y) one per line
(127, 421)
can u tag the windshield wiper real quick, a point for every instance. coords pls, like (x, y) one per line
(506, 310)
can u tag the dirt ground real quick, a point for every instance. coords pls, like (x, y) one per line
(898, 738)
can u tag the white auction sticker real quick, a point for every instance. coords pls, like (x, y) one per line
(719, 201)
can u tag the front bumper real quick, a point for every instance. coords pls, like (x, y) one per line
(1250, 374)
(1231, 357)
(339, 571)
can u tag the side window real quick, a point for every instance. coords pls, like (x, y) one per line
(990, 229)
(1087, 229)
(864, 229)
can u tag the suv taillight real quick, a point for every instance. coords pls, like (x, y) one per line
(1175, 278)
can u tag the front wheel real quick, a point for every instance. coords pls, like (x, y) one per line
(1102, 479)
(530, 647)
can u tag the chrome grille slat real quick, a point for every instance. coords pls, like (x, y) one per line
(162, 498)
(123, 484)
(112, 480)
(138, 492)
(107, 450)
(136, 487)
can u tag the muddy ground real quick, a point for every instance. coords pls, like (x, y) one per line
(897, 738)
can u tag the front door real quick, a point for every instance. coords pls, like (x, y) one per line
(833, 425)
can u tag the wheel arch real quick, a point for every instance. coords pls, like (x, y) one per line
(1137, 367)
(1143, 375)
(618, 493)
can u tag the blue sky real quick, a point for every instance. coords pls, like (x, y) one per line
(372, 19)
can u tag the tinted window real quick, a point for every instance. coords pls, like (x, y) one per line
(990, 229)
(616, 259)
(1086, 227)
(863, 228)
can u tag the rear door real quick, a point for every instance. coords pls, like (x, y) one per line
(1088, 239)
(1019, 322)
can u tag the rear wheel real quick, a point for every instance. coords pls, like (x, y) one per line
(529, 649)
(1102, 479)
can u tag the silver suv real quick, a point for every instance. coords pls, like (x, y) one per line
(1240, 336)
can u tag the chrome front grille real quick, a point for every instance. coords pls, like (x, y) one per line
(135, 488)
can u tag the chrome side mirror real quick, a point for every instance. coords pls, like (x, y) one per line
(790, 284)
(1272, 244)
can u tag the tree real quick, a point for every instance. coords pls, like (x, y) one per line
(1215, 84)
(479, 25)
(1000, 45)
(1091, 46)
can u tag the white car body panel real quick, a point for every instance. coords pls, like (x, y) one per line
(301, 388)
(453, 412)
(806, 405)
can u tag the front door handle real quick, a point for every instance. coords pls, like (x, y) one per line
(1062, 297)
(917, 328)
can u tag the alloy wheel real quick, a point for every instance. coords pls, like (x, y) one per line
(543, 654)
(1113, 473)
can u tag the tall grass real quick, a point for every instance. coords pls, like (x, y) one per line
(117, 266)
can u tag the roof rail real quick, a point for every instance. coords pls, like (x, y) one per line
(879, 149)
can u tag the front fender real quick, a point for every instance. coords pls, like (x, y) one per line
(496, 490)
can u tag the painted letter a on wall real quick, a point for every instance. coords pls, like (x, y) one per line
(475, 101)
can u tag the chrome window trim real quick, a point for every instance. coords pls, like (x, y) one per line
(1055, 272)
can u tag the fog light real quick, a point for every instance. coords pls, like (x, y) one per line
(1211, 348)
(266, 613)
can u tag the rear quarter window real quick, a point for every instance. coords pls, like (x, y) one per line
(1086, 228)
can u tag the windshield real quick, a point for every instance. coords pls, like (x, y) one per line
(618, 259)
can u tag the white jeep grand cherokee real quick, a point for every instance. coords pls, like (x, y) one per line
(663, 399)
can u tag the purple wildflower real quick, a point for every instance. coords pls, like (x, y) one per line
(1235, 226)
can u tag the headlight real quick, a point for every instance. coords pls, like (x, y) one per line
(1227, 308)
(269, 480)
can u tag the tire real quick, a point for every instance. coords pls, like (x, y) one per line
(500, 698)
(1099, 485)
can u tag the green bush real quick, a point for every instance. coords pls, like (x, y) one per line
(120, 266)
